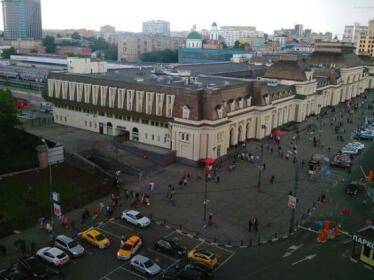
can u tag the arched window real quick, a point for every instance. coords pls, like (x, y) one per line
(186, 112)
(135, 134)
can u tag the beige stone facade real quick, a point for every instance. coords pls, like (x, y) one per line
(204, 115)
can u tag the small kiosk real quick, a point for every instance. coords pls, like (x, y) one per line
(364, 238)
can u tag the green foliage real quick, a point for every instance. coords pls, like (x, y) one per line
(110, 51)
(8, 111)
(75, 36)
(49, 44)
(8, 52)
(165, 56)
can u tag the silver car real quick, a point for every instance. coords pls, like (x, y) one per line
(145, 265)
(69, 245)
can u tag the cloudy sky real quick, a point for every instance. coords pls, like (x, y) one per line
(266, 15)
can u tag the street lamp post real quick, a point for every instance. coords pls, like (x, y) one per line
(260, 169)
(205, 195)
(50, 184)
(294, 193)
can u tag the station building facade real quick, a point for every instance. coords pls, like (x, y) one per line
(202, 115)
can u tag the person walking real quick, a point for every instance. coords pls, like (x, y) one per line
(272, 179)
(210, 219)
(250, 224)
(255, 223)
(218, 178)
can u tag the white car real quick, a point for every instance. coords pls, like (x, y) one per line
(144, 265)
(356, 145)
(136, 218)
(349, 150)
(53, 255)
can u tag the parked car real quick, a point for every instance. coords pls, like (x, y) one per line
(129, 247)
(136, 218)
(144, 265)
(349, 150)
(69, 245)
(342, 161)
(32, 267)
(204, 257)
(365, 135)
(95, 238)
(200, 267)
(357, 145)
(12, 273)
(53, 256)
(182, 274)
(170, 247)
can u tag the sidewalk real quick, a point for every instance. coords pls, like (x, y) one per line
(235, 199)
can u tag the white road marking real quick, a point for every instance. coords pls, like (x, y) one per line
(163, 255)
(169, 234)
(121, 225)
(198, 245)
(304, 259)
(308, 229)
(110, 233)
(292, 249)
(133, 273)
(225, 261)
(368, 267)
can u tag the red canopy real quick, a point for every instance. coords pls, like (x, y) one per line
(209, 161)
(278, 132)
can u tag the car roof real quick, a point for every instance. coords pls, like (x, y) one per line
(94, 232)
(64, 238)
(140, 258)
(132, 239)
(54, 251)
(132, 212)
(203, 252)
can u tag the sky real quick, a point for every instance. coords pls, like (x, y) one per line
(266, 15)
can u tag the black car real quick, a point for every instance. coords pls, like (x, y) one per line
(182, 274)
(170, 247)
(33, 267)
(12, 273)
(200, 267)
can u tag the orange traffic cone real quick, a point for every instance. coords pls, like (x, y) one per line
(323, 236)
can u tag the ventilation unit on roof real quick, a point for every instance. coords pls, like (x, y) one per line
(139, 79)
(226, 83)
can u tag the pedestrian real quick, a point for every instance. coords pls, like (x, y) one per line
(102, 206)
(218, 178)
(127, 195)
(263, 166)
(41, 221)
(185, 181)
(272, 179)
(65, 222)
(151, 186)
(210, 219)
(255, 223)
(189, 176)
(250, 224)
(172, 200)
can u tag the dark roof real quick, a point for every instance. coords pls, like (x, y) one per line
(367, 59)
(220, 68)
(194, 36)
(287, 70)
(367, 233)
(340, 59)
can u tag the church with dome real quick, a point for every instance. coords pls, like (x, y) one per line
(194, 39)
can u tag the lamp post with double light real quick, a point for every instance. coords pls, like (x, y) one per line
(50, 183)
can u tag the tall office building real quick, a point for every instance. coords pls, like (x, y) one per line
(156, 27)
(22, 19)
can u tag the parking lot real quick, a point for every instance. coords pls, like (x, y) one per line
(103, 264)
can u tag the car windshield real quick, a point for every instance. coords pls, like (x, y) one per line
(148, 263)
(139, 216)
(73, 244)
(126, 247)
(61, 256)
(100, 237)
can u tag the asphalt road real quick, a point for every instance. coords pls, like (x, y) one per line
(299, 257)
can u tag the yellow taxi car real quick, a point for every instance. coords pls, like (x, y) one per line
(95, 238)
(204, 257)
(129, 247)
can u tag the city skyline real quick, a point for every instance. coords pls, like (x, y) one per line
(321, 16)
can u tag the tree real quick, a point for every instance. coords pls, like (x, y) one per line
(76, 36)
(49, 44)
(165, 56)
(8, 52)
(237, 44)
(8, 111)
(110, 51)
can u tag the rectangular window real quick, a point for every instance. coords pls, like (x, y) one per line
(157, 123)
(144, 121)
(153, 137)
(187, 137)
(158, 138)
(152, 123)
(146, 136)
(182, 136)
(85, 123)
(65, 119)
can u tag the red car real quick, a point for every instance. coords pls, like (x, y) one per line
(342, 161)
